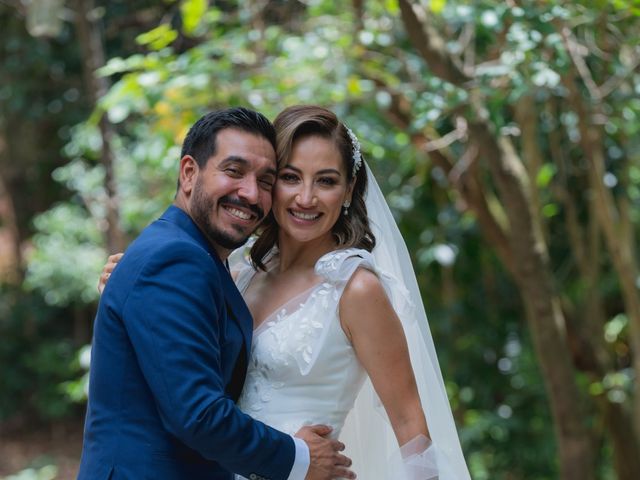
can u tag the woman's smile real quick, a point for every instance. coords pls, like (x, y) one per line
(304, 217)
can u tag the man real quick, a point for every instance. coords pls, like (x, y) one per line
(172, 334)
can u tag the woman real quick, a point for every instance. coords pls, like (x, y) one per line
(340, 335)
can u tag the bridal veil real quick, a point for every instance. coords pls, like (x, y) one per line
(367, 432)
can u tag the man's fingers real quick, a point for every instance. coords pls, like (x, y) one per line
(337, 445)
(321, 430)
(343, 460)
(342, 472)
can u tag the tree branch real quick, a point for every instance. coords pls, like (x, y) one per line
(431, 45)
(615, 81)
(573, 47)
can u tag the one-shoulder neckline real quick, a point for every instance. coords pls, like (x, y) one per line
(262, 326)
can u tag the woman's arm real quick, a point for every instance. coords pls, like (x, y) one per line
(112, 261)
(370, 322)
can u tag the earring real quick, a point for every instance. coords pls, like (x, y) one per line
(345, 207)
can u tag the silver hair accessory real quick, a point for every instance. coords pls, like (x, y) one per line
(357, 156)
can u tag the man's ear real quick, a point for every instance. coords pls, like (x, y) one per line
(189, 171)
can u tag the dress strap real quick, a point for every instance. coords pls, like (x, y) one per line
(243, 273)
(337, 268)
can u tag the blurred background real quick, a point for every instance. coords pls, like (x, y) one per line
(504, 133)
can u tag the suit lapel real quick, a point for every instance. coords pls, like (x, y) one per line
(236, 307)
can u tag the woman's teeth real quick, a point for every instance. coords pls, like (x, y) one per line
(305, 216)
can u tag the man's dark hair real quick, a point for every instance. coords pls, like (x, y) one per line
(200, 141)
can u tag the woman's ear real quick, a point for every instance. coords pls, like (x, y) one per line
(188, 174)
(350, 187)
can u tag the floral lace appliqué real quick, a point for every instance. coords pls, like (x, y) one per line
(289, 337)
(329, 265)
(293, 338)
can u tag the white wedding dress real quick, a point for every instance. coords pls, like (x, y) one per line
(304, 371)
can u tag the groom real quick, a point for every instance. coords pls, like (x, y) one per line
(172, 335)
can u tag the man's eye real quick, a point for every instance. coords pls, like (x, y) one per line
(234, 172)
(266, 184)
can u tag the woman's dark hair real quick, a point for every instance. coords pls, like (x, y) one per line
(200, 141)
(292, 124)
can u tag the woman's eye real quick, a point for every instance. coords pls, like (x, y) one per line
(288, 177)
(328, 181)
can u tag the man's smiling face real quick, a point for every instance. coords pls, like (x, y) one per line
(231, 194)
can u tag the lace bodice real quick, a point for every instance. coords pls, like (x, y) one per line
(303, 369)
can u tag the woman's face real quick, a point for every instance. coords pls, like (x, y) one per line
(310, 189)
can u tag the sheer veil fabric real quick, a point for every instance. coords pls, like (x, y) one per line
(367, 432)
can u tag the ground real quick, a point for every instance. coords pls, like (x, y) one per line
(36, 447)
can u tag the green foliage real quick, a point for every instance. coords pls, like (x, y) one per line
(48, 472)
(41, 98)
(38, 358)
(78, 389)
(63, 278)
(312, 52)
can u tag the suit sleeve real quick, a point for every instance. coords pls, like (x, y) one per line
(172, 315)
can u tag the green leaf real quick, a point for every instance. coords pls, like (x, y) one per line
(437, 6)
(192, 12)
(614, 327)
(158, 38)
(545, 175)
(392, 7)
(596, 389)
(353, 86)
(550, 210)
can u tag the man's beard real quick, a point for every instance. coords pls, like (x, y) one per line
(201, 209)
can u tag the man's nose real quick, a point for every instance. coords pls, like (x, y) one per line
(249, 190)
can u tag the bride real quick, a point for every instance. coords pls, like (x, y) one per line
(340, 333)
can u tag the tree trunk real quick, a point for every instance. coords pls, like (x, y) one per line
(625, 444)
(526, 115)
(616, 233)
(10, 250)
(544, 315)
(93, 57)
(589, 349)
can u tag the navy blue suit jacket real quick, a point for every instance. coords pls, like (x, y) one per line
(171, 342)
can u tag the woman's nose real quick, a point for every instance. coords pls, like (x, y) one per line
(306, 197)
